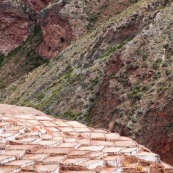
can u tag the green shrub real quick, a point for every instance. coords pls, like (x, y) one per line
(70, 115)
(166, 46)
(2, 56)
(156, 64)
(111, 50)
(41, 96)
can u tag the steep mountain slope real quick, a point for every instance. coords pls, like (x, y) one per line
(135, 97)
(21, 60)
(119, 76)
(33, 31)
(20, 37)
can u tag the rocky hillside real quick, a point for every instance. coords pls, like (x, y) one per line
(33, 31)
(111, 67)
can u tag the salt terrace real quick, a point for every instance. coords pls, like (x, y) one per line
(31, 141)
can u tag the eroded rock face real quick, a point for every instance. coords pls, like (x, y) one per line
(37, 5)
(14, 26)
(65, 21)
(158, 132)
(61, 22)
(56, 31)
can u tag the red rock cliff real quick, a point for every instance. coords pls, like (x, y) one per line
(14, 25)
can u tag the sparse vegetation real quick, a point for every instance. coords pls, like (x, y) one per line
(156, 64)
(41, 96)
(93, 19)
(94, 82)
(14, 51)
(2, 56)
(166, 45)
(69, 115)
(68, 74)
(110, 51)
(123, 78)
(145, 57)
(135, 94)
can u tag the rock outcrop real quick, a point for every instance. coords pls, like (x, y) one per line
(36, 5)
(14, 25)
(56, 30)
